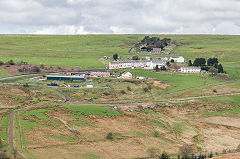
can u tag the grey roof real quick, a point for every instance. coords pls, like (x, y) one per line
(191, 67)
(136, 61)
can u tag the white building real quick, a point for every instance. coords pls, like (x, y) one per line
(179, 59)
(148, 64)
(191, 69)
(127, 75)
(152, 64)
(156, 50)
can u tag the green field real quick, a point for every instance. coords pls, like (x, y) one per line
(85, 50)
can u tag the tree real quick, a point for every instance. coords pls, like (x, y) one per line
(199, 62)
(210, 155)
(1, 63)
(156, 68)
(115, 56)
(220, 68)
(212, 61)
(190, 63)
(135, 57)
(172, 61)
(163, 68)
(185, 151)
(168, 63)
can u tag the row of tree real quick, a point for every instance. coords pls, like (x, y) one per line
(149, 43)
(210, 65)
(11, 62)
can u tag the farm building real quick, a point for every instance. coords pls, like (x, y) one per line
(191, 69)
(65, 78)
(100, 74)
(156, 50)
(148, 64)
(127, 75)
(179, 59)
(152, 64)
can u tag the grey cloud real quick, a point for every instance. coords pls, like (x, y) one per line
(120, 16)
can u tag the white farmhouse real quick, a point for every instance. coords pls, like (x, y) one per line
(152, 64)
(179, 59)
(191, 69)
(128, 64)
(127, 75)
(148, 64)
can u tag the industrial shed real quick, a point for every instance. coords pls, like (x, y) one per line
(65, 78)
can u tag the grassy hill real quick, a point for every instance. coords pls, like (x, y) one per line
(85, 50)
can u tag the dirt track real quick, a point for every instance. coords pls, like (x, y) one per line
(11, 144)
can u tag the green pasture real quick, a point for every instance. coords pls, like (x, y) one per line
(3, 74)
(91, 109)
(85, 50)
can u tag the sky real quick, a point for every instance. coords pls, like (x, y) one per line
(119, 16)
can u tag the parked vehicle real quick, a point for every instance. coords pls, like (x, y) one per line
(52, 84)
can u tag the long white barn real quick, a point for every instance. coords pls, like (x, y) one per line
(148, 64)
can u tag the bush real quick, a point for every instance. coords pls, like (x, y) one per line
(185, 151)
(156, 134)
(10, 62)
(42, 66)
(129, 88)
(164, 155)
(145, 89)
(36, 69)
(122, 92)
(1, 63)
(25, 85)
(109, 136)
(214, 91)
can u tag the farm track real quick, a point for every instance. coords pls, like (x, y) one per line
(11, 127)
(11, 143)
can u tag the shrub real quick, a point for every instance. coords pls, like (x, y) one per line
(156, 134)
(214, 91)
(145, 89)
(36, 69)
(129, 88)
(1, 63)
(10, 62)
(109, 136)
(185, 151)
(164, 155)
(42, 66)
(25, 85)
(123, 92)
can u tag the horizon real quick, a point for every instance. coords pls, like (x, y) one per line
(80, 17)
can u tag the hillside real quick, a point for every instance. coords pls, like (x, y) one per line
(86, 50)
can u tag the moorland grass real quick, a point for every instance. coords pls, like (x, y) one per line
(91, 109)
(38, 115)
(4, 123)
(3, 74)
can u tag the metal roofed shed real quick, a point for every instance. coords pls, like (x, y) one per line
(65, 78)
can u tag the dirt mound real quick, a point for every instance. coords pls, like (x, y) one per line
(158, 84)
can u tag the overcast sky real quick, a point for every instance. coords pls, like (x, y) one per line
(120, 16)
